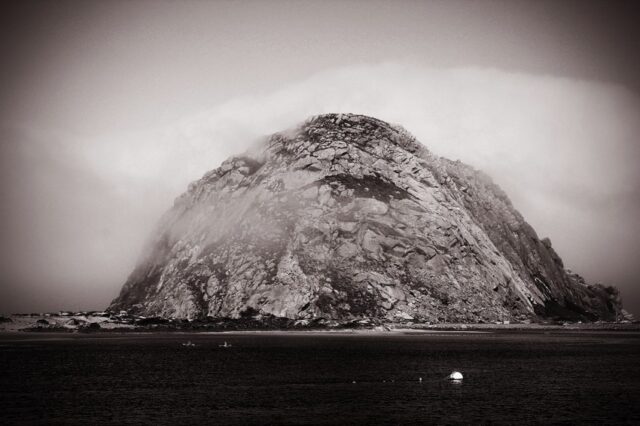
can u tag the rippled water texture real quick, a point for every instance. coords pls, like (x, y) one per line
(320, 378)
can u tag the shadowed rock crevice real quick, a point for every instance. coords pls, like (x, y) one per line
(372, 186)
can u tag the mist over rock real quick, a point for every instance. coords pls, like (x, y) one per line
(347, 217)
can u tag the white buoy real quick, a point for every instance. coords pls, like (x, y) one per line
(420, 379)
(456, 375)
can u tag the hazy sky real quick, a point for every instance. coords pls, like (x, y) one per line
(109, 109)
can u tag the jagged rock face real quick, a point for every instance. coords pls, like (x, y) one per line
(348, 217)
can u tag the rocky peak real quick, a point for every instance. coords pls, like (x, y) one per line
(347, 217)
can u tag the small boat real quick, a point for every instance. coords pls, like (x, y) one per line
(226, 345)
(189, 344)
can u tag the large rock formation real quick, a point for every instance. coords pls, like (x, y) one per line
(348, 217)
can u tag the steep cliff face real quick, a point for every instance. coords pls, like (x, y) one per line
(348, 217)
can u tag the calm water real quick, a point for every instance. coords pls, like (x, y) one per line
(308, 379)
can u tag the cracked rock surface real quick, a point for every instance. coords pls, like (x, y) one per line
(347, 217)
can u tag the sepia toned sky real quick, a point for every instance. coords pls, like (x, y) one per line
(109, 109)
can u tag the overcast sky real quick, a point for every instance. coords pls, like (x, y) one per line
(109, 109)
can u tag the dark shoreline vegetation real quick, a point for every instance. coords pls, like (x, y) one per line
(108, 322)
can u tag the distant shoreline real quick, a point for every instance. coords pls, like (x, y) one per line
(107, 324)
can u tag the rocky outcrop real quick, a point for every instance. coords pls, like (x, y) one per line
(348, 217)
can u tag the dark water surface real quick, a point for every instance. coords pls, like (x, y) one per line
(309, 379)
